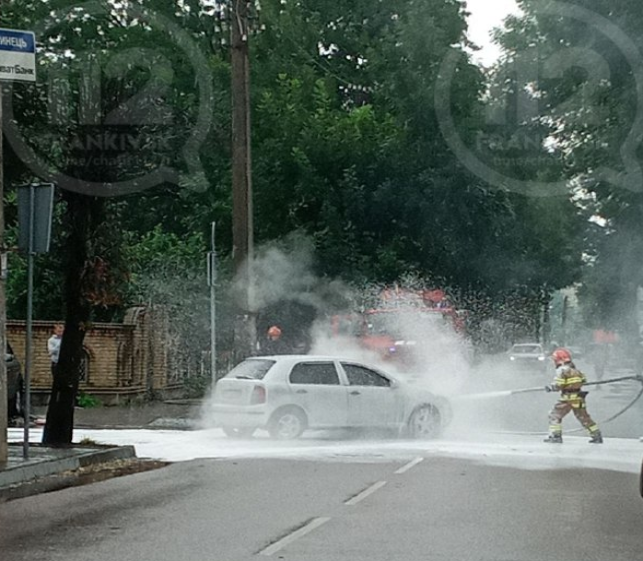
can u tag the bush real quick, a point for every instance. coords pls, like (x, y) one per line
(87, 401)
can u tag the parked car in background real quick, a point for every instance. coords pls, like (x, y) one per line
(15, 386)
(287, 395)
(528, 356)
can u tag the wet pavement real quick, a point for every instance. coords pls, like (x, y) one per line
(43, 462)
(41, 470)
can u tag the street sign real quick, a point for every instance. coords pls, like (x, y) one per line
(35, 209)
(17, 55)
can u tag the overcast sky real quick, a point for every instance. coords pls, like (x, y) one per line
(485, 15)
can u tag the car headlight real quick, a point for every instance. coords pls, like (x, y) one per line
(541, 358)
(512, 358)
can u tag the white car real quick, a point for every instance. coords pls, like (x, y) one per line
(529, 356)
(287, 395)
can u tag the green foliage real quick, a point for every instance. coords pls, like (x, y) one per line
(347, 149)
(87, 401)
(589, 101)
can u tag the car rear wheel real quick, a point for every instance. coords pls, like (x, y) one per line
(234, 432)
(287, 424)
(425, 422)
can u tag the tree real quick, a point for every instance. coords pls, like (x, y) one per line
(587, 69)
(82, 157)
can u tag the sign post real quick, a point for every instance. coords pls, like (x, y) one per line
(35, 208)
(17, 63)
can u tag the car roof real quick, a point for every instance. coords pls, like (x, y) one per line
(310, 358)
(292, 359)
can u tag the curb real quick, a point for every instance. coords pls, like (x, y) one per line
(13, 477)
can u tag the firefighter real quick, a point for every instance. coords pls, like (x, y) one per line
(274, 344)
(569, 382)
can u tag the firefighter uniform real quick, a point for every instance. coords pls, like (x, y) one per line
(569, 381)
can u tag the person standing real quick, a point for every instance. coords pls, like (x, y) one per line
(569, 382)
(53, 345)
(602, 357)
(274, 344)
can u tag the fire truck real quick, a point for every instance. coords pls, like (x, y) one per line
(395, 327)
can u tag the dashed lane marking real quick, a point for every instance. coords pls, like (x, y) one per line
(290, 538)
(365, 493)
(409, 466)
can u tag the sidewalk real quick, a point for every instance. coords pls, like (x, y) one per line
(49, 469)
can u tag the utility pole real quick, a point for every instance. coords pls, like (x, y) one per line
(3, 312)
(18, 50)
(242, 211)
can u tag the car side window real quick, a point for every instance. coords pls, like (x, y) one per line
(318, 373)
(361, 376)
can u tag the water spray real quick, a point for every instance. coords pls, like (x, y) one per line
(540, 389)
(639, 395)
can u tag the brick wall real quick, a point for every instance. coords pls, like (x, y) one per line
(123, 361)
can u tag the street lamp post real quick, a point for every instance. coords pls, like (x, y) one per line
(212, 280)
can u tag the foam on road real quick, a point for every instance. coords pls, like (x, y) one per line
(517, 451)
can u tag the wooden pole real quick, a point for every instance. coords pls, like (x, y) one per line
(242, 211)
(241, 153)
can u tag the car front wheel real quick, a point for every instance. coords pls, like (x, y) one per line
(425, 422)
(287, 424)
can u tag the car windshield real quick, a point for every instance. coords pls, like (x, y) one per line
(252, 369)
(527, 349)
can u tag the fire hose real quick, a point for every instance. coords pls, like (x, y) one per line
(539, 389)
(599, 383)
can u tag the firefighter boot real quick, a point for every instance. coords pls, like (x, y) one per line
(597, 438)
(554, 439)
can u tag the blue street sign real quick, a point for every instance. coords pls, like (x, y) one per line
(17, 55)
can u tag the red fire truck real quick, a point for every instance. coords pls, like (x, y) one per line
(400, 320)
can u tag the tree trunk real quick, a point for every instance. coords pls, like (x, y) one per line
(82, 216)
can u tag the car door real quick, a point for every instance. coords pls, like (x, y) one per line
(317, 389)
(373, 400)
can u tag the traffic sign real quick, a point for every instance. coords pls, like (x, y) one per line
(35, 208)
(17, 55)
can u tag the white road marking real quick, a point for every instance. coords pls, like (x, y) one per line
(408, 466)
(365, 493)
(290, 538)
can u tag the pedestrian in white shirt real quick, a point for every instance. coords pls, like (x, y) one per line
(53, 345)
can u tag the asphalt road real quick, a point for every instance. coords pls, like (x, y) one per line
(429, 509)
